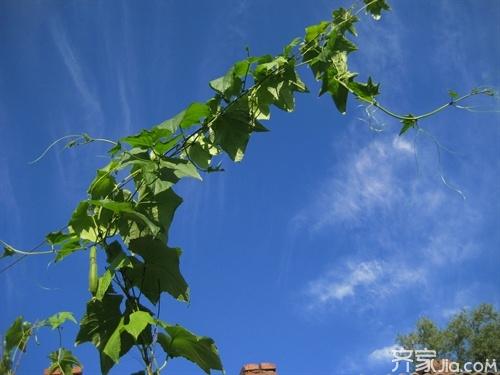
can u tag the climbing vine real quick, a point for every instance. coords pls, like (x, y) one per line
(131, 202)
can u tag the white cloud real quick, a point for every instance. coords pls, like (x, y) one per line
(327, 288)
(421, 226)
(383, 355)
(73, 64)
(373, 280)
(367, 182)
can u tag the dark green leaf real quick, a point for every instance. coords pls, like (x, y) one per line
(100, 324)
(367, 91)
(160, 270)
(179, 342)
(344, 20)
(375, 7)
(232, 129)
(7, 252)
(408, 123)
(125, 208)
(102, 186)
(118, 262)
(17, 335)
(115, 149)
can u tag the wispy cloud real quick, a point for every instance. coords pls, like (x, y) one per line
(367, 182)
(8, 200)
(415, 225)
(73, 64)
(375, 280)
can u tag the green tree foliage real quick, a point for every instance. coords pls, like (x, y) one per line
(131, 202)
(472, 335)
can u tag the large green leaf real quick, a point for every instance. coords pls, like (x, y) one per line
(134, 325)
(159, 272)
(232, 129)
(99, 325)
(179, 342)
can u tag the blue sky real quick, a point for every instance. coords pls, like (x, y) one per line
(330, 238)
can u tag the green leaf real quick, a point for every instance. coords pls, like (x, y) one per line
(7, 252)
(56, 320)
(17, 335)
(125, 208)
(368, 91)
(62, 361)
(375, 7)
(115, 149)
(200, 155)
(118, 262)
(287, 51)
(198, 349)
(138, 321)
(344, 20)
(232, 129)
(101, 323)
(453, 94)
(159, 272)
(158, 206)
(54, 238)
(147, 138)
(314, 31)
(102, 185)
(228, 85)
(339, 96)
(408, 123)
(161, 207)
(193, 114)
(69, 247)
(82, 224)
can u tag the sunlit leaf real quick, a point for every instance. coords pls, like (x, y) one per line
(56, 320)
